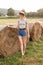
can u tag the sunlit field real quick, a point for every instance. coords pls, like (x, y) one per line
(33, 55)
(4, 21)
(34, 50)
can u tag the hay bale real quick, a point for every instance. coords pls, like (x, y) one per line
(42, 31)
(36, 31)
(9, 43)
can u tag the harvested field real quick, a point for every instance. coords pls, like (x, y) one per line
(34, 50)
(10, 43)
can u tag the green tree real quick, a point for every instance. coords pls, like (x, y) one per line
(40, 12)
(0, 14)
(32, 14)
(10, 12)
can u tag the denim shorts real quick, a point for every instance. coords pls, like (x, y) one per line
(22, 33)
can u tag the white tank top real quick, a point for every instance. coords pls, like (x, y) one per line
(22, 23)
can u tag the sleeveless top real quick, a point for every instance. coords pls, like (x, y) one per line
(22, 23)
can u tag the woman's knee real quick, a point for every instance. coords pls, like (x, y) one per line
(24, 40)
(20, 39)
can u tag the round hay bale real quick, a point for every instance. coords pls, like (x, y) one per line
(36, 31)
(42, 31)
(31, 25)
(9, 42)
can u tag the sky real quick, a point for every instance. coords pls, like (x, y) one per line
(27, 5)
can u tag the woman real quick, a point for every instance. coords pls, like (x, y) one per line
(23, 29)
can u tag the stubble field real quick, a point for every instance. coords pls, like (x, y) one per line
(34, 50)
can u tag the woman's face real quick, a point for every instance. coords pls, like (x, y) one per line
(21, 16)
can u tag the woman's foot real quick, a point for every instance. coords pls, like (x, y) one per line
(22, 54)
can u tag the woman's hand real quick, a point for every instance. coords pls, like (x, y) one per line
(28, 36)
(10, 26)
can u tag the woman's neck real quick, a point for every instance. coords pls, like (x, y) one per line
(22, 18)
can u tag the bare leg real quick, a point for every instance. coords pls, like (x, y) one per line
(24, 43)
(21, 42)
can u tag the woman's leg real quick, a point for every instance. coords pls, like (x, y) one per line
(21, 42)
(24, 43)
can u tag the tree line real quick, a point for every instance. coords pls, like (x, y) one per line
(39, 13)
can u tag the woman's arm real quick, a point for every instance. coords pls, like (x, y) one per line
(17, 26)
(27, 27)
(14, 25)
(11, 25)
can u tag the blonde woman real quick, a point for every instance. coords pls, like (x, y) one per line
(23, 31)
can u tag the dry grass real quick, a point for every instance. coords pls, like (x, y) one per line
(33, 56)
(34, 51)
(4, 21)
